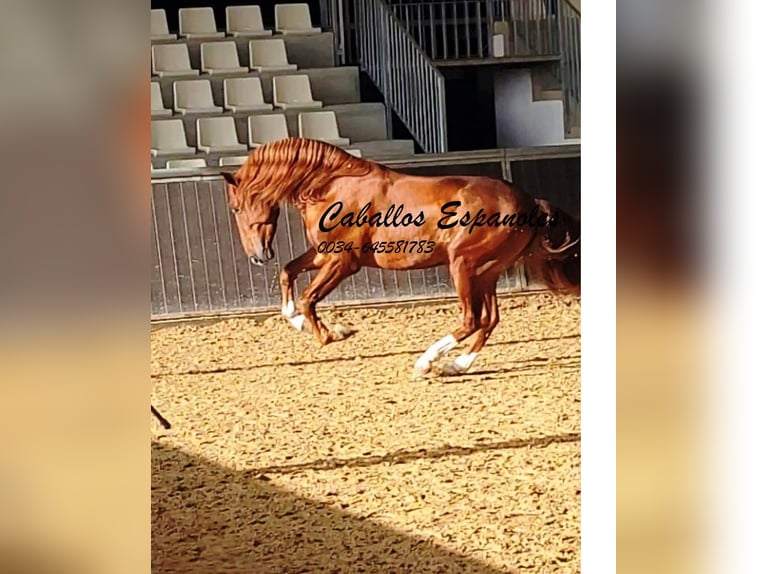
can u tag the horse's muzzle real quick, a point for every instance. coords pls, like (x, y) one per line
(262, 259)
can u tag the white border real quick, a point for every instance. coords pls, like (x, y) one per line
(598, 289)
(738, 192)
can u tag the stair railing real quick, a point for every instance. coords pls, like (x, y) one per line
(569, 69)
(411, 85)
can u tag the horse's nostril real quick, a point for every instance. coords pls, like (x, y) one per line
(255, 261)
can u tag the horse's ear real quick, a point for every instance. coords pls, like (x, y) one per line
(230, 178)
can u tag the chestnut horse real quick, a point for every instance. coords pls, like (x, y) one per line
(358, 213)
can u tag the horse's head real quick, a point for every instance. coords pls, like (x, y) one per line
(256, 220)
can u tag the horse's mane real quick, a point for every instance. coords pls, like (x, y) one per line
(295, 169)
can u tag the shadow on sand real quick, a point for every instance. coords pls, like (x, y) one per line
(210, 519)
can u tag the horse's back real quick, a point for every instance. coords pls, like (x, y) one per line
(450, 185)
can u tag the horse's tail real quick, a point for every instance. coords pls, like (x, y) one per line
(553, 256)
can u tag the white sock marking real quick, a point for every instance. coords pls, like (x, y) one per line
(464, 362)
(297, 321)
(435, 351)
(289, 309)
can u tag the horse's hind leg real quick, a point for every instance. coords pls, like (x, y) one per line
(332, 272)
(490, 317)
(300, 264)
(471, 302)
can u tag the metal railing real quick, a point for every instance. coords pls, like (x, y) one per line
(199, 267)
(569, 69)
(463, 29)
(432, 32)
(411, 85)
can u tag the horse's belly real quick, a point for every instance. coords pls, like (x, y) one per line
(404, 261)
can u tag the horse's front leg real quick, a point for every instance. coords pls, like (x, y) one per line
(306, 262)
(331, 273)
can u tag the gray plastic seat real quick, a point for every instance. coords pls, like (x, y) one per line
(158, 107)
(198, 23)
(269, 55)
(244, 95)
(169, 138)
(293, 19)
(194, 97)
(171, 60)
(220, 58)
(187, 163)
(218, 135)
(245, 21)
(322, 126)
(159, 26)
(266, 128)
(232, 160)
(294, 92)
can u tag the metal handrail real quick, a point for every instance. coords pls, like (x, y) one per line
(463, 29)
(411, 85)
(570, 63)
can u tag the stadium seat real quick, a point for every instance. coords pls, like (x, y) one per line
(232, 160)
(171, 60)
(218, 135)
(293, 92)
(266, 128)
(189, 163)
(194, 97)
(321, 126)
(158, 108)
(269, 56)
(197, 23)
(293, 19)
(245, 21)
(169, 138)
(160, 26)
(501, 39)
(244, 95)
(220, 58)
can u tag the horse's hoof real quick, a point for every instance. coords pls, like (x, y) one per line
(420, 371)
(452, 370)
(342, 332)
(297, 321)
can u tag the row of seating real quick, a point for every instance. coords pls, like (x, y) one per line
(240, 21)
(240, 95)
(236, 81)
(224, 161)
(218, 135)
(171, 60)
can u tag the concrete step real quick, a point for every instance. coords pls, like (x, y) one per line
(385, 149)
(380, 150)
(547, 95)
(545, 86)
